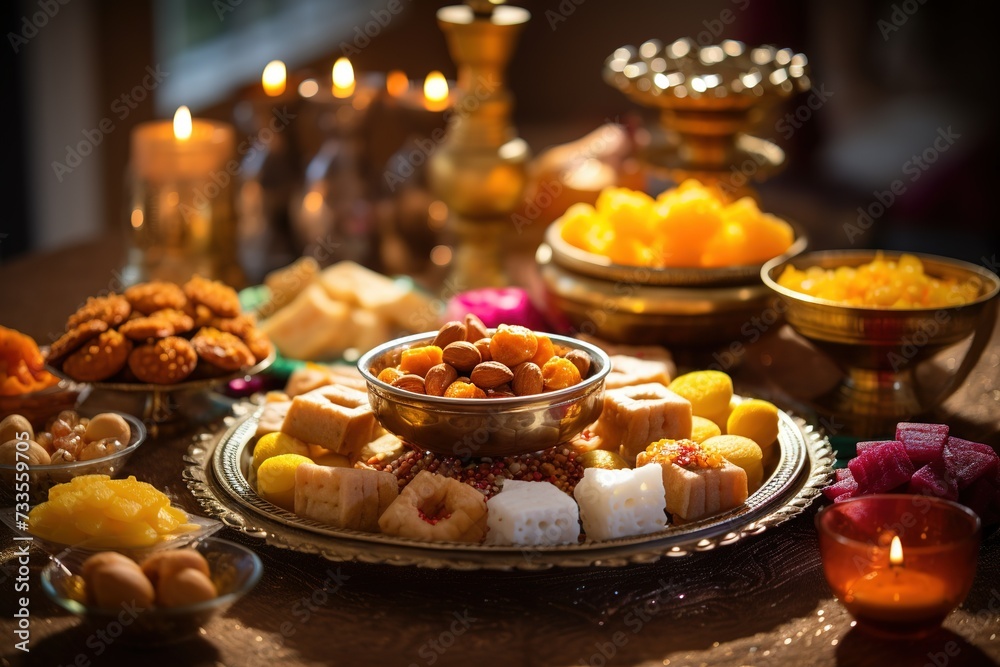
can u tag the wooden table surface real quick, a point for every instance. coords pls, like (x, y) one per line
(762, 601)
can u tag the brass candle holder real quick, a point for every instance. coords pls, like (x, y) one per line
(479, 169)
(709, 99)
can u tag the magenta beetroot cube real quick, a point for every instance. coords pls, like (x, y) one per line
(933, 480)
(870, 444)
(881, 468)
(842, 489)
(924, 442)
(968, 461)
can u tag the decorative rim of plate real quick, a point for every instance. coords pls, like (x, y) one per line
(215, 478)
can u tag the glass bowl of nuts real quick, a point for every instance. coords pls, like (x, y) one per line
(470, 391)
(163, 599)
(62, 447)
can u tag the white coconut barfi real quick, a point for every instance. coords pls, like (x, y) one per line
(532, 514)
(620, 503)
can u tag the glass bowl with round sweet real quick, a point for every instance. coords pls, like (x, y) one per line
(66, 445)
(163, 598)
(469, 390)
(680, 268)
(879, 315)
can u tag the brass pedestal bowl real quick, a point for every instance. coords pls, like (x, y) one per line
(696, 307)
(879, 350)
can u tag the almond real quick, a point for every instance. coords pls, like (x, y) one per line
(410, 382)
(439, 378)
(483, 345)
(475, 329)
(449, 333)
(527, 379)
(581, 360)
(462, 354)
(490, 374)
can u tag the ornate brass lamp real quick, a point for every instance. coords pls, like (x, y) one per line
(479, 168)
(709, 99)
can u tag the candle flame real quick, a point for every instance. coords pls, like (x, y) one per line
(896, 552)
(343, 78)
(436, 90)
(182, 123)
(273, 78)
(396, 83)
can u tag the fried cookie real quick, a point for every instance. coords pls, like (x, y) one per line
(166, 361)
(142, 328)
(201, 314)
(222, 349)
(112, 309)
(74, 339)
(178, 319)
(99, 358)
(258, 344)
(155, 295)
(218, 297)
(241, 325)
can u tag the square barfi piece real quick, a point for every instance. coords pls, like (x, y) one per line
(343, 497)
(697, 481)
(532, 514)
(621, 503)
(630, 371)
(312, 326)
(635, 416)
(437, 508)
(333, 417)
(355, 284)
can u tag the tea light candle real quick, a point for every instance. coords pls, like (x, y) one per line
(183, 149)
(905, 590)
(897, 593)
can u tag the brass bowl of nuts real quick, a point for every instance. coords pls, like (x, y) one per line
(471, 392)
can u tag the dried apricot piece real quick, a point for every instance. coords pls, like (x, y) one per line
(419, 360)
(464, 390)
(559, 373)
(513, 344)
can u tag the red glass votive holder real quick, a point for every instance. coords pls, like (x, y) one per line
(906, 590)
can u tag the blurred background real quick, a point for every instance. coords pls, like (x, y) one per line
(889, 79)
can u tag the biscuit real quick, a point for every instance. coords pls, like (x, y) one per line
(218, 297)
(259, 345)
(143, 328)
(241, 325)
(155, 295)
(222, 349)
(99, 359)
(73, 340)
(166, 361)
(112, 309)
(178, 319)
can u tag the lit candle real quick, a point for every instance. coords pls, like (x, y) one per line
(436, 92)
(889, 592)
(396, 84)
(273, 78)
(183, 149)
(343, 78)
(898, 594)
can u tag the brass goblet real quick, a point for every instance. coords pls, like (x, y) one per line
(879, 349)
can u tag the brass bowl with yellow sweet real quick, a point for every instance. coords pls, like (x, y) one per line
(880, 314)
(681, 268)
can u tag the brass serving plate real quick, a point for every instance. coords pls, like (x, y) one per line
(218, 465)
